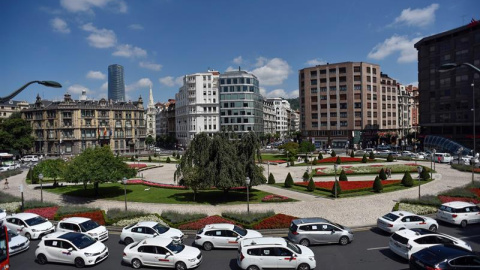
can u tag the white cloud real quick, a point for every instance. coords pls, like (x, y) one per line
(396, 44)
(315, 62)
(230, 68)
(96, 75)
(149, 65)
(417, 17)
(100, 38)
(171, 81)
(88, 5)
(281, 93)
(104, 86)
(127, 50)
(142, 83)
(271, 72)
(238, 60)
(60, 26)
(135, 26)
(77, 89)
(263, 91)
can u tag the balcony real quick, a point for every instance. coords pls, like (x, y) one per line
(67, 126)
(51, 138)
(69, 138)
(106, 116)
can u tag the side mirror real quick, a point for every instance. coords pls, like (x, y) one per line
(70, 249)
(333, 231)
(155, 234)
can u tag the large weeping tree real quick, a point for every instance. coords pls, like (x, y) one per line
(247, 149)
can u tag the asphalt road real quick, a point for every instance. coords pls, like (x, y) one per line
(369, 250)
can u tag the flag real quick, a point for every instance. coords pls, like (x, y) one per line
(105, 132)
(98, 132)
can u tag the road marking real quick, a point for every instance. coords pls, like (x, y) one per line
(376, 248)
(471, 236)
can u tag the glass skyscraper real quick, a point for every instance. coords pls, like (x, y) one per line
(116, 84)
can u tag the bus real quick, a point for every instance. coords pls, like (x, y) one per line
(4, 256)
(7, 159)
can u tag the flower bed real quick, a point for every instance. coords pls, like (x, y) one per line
(476, 191)
(278, 221)
(10, 207)
(153, 184)
(196, 225)
(277, 161)
(94, 215)
(46, 212)
(275, 198)
(417, 208)
(446, 199)
(343, 159)
(348, 185)
(138, 166)
(152, 217)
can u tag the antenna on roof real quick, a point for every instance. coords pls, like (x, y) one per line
(239, 68)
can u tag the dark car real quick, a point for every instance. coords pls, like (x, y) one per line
(444, 257)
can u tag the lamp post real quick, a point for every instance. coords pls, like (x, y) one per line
(335, 166)
(451, 66)
(431, 161)
(433, 156)
(247, 182)
(40, 176)
(45, 83)
(124, 181)
(268, 169)
(420, 169)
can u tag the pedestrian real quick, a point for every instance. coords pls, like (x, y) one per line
(389, 173)
(6, 184)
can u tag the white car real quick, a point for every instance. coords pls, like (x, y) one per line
(161, 252)
(274, 253)
(406, 242)
(399, 220)
(459, 213)
(222, 235)
(3, 215)
(30, 225)
(71, 248)
(17, 243)
(149, 229)
(30, 158)
(83, 225)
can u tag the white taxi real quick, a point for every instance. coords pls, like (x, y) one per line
(399, 220)
(149, 229)
(459, 213)
(222, 235)
(83, 225)
(30, 225)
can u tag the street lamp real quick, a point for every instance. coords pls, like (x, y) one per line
(431, 161)
(433, 156)
(451, 66)
(124, 181)
(268, 169)
(247, 182)
(40, 176)
(420, 169)
(335, 166)
(45, 83)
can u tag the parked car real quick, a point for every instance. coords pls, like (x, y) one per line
(83, 225)
(222, 235)
(459, 213)
(407, 153)
(30, 225)
(161, 252)
(406, 242)
(148, 229)
(274, 253)
(444, 258)
(30, 158)
(368, 150)
(4, 168)
(17, 243)
(70, 248)
(306, 231)
(399, 220)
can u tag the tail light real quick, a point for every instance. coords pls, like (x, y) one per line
(294, 232)
(241, 256)
(198, 237)
(124, 254)
(390, 225)
(454, 215)
(432, 268)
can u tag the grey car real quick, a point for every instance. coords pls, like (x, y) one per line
(307, 231)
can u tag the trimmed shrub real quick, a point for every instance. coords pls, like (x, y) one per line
(178, 155)
(364, 158)
(116, 214)
(155, 154)
(343, 176)
(175, 217)
(292, 162)
(336, 186)
(271, 179)
(314, 161)
(382, 174)
(352, 154)
(390, 158)
(339, 160)
(288, 181)
(305, 160)
(372, 155)
(408, 182)
(306, 176)
(149, 159)
(377, 185)
(168, 160)
(320, 156)
(7, 198)
(30, 204)
(70, 209)
(333, 154)
(432, 200)
(424, 175)
(311, 185)
(132, 158)
(245, 218)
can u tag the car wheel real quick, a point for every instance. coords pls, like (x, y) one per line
(136, 263)
(128, 241)
(28, 236)
(344, 240)
(433, 228)
(463, 223)
(42, 259)
(79, 263)
(304, 242)
(253, 267)
(207, 246)
(303, 266)
(180, 266)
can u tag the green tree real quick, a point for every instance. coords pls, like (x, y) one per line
(372, 155)
(292, 162)
(338, 161)
(364, 158)
(336, 188)
(288, 181)
(311, 185)
(96, 165)
(424, 175)
(50, 168)
(149, 141)
(408, 182)
(149, 158)
(306, 176)
(377, 185)
(168, 160)
(333, 154)
(320, 156)
(132, 158)
(352, 153)
(291, 147)
(343, 176)
(306, 147)
(271, 179)
(390, 158)
(382, 174)
(248, 148)
(15, 135)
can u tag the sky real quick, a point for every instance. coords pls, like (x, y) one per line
(158, 41)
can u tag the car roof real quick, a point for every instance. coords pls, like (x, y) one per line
(458, 204)
(147, 223)
(415, 233)
(444, 252)
(309, 220)
(264, 241)
(24, 216)
(75, 219)
(70, 235)
(403, 213)
(157, 241)
(57, 235)
(219, 226)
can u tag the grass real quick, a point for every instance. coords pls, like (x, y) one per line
(270, 157)
(141, 193)
(7, 198)
(175, 217)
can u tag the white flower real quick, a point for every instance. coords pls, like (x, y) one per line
(125, 222)
(10, 207)
(417, 209)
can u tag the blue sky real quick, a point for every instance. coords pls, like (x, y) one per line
(159, 41)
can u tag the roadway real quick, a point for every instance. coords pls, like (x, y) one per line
(369, 250)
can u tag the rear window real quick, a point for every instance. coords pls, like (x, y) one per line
(448, 209)
(200, 231)
(400, 239)
(293, 227)
(390, 217)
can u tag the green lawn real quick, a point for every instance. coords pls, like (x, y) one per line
(141, 193)
(269, 157)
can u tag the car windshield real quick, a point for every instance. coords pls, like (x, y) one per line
(89, 225)
(82, 241)
(11, 234)
(239, 230)
(175, 248)
(390, 217)
(160, 228)
(338, 225)
(294, 247)
(35, 221)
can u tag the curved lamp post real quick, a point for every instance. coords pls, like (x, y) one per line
(45, 83)
(124, 181)
(335, 166)
(40, 176)
(451, 66)
(247, 182)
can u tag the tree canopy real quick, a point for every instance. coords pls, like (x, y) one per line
(15, 135)
(50, 168)
(291, 147)
(306, 147)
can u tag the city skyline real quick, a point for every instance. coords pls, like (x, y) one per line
(158, 42)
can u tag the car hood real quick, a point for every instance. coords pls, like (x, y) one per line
(98, 230)
(17, 240)
(306, 251)
(172, 233)
(43, 227)
(97, 247)
(252, 234)
(188, 252)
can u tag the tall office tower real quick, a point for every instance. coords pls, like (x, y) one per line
(116, 84)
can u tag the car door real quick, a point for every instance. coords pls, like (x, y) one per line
(285, 258)
(148, 255)
(473, 214)
(11, 223)
(333, 235)
(231, 238)
(424, 242)
(409, 222)
(309, 232)
(53, 251)
(267, 259)
(68, 252)
(165, 258)
(323, 233)
(217, 239)
(139, 233)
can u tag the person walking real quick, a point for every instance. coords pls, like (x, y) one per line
(6, 184)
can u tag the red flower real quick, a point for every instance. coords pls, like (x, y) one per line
(274, 198)
(348, 185)
(153, 184)
(46, 212)
(446, 199)
(137, 166)
(476, 191)
(343, 159)
(276, 222)
(196, 225)
(96, 216)
(277, 161)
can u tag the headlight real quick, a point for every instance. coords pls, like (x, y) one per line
(311, 258)
(34, 230)
(88, 254)
(192, 260)
(93, 234)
